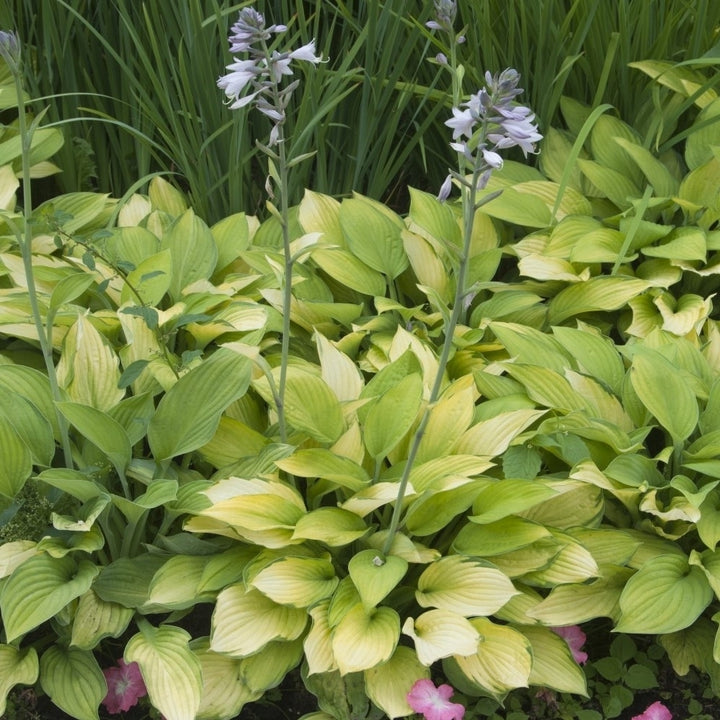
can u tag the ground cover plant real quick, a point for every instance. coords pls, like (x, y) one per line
(457, 462)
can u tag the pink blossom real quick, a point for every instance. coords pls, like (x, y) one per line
(125, 687)
(657, 711)
(575, 638)
(434, 702)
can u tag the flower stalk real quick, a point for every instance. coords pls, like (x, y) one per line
(488, 122)
(10, 52)
(257, 81)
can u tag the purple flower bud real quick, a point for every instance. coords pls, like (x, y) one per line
(10, 49)
(445, 189)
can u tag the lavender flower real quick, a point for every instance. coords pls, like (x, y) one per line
(491, 120)
(263, 71)
(445, 12)
(10, 49)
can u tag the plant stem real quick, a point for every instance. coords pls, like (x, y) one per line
(25, 242)
(287, 284)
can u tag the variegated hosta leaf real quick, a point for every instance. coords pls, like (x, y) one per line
(17, 460)
(491, 437)
(388, 685)
(441, 633)
(322, 463)
(223, 693)
(96, 619)
(208, 389)
(496, 538)
(318, 642)
(502, 661)
(39, 588)
(13, 554)
(331, 525)
(339, 372)
(364, 639)
(175, 585)
(89, 369)
(17, 667)
(665, 595)
(375, 575)
(362, 503)
(73, 680)
(553, 665)
(172, 673)
(238, 609)
(267, 668)
(464, 585)
(508, 497)
(297, 581)
(435, 509)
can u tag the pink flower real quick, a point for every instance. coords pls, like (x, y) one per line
(657, 711)
(125, 687)
(575, 638)
(434, 702)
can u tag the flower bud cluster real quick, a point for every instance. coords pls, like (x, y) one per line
(257, 79)
(490, 121)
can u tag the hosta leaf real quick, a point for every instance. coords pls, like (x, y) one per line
(434, 509)
(193, 249)
(333, 526)
(175, 585)
(322, 463)
(165, 197)
(126, 581)
(375, 575)
(17, 667)
(373, 235)
(365, 501)
(427, 266)
(463, 585)
(656, 173)
(683, 80)
(519, 208)
(599, 293)
(392, 416)
(297, 581)
(312, 407)
(232, 236)
(343, 266)
(150, 280)
(441, 633)
(665, 394)
(553, 664)
(89, 369)
(490, 438)
(171, 671)
(222, 695)
(528, 345)
(207, 390)
(365, 638)
(614, 185)
(238, 609)
(607, 134)
(698, 147)
(388, 685)
(511, 533)
(317, 643)
(502, 662)
(33, 386)
(664, 596)
(508, 497)
(16, 463)
(73, 680)
(102, 431)
(96, 619)
(338, 370)
(39, 588)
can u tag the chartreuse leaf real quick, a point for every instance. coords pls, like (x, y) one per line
(317, 642)
(193, 250)
(375, 575)
(441, 633)
(73, 680)
(312, 407)
(527, 345)
(267, 668)
(339, 372)
(502, 662)
(297, 581)
(321, 213)
(175, 585)
(39, 588)
(602, 293)
(171, 671)
(188, 414)
(13, 554)
(434, 509)
(365, 638)
(33, 386)
(698, 147)
(491, 437)
(392, 416)
(238, 609)
(508, 497)
(17, 667)
(96, 619)
(553, 664)
(322, 463)
(579, 602)
(16, 464)
(372, 233)
(165, 197)
(692, 646)
(102, 431)
(428, 268)
(149, 281)
(126, 580)
(464, 585)
(664, 596)
(330, 525)
(614, 185)
(89, 369)
(665, 393)
(496, 538)
(349, 270)
(222, 694)
(387, 685)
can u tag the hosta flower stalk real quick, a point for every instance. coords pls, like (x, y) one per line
(257, 82)
(489, 122)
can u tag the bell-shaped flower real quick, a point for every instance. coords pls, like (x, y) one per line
(306, 53)
(462, 123)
